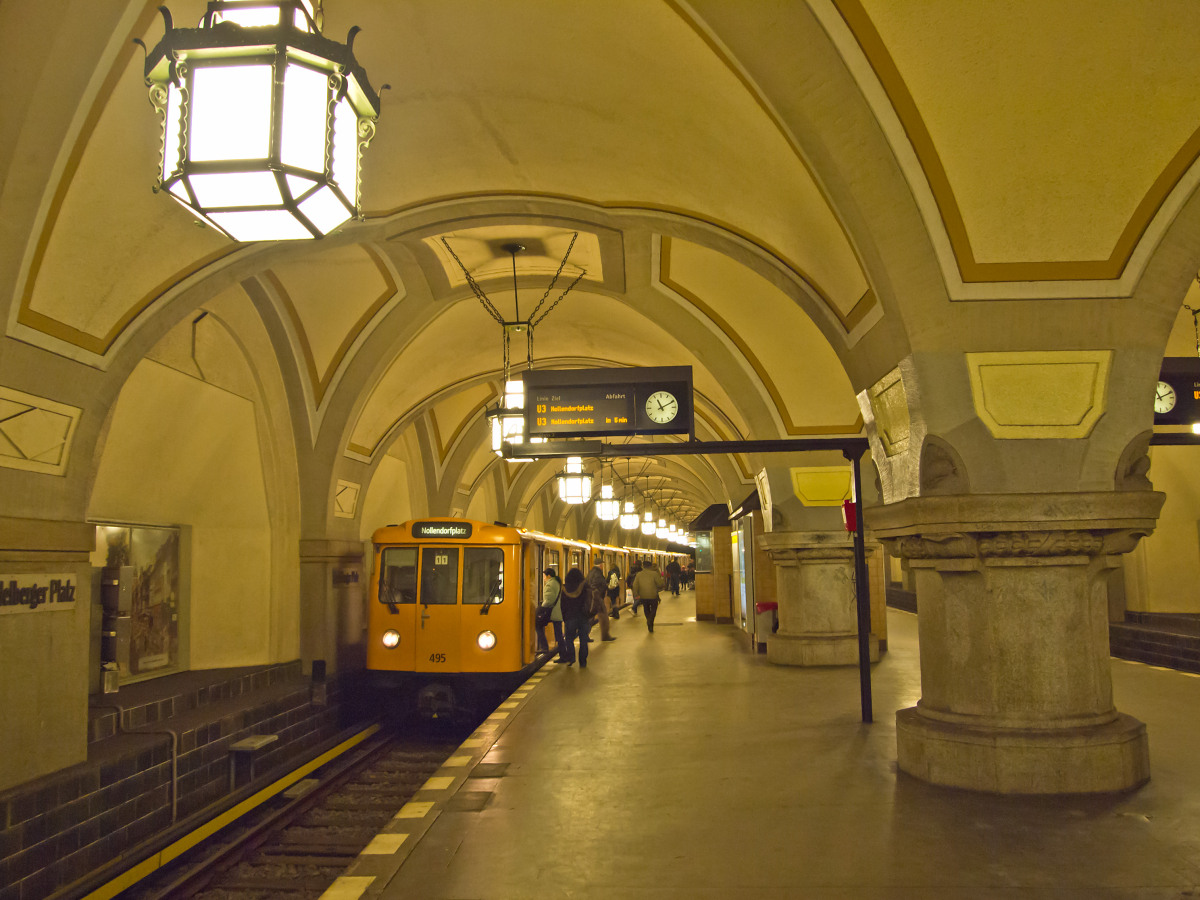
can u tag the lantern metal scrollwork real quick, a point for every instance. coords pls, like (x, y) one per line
(264, 120)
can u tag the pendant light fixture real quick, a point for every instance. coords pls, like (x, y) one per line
(264, 119)
(506, 420)
(574, 485)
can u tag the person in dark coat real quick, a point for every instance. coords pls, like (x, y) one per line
(674, 570)
(575, 603)
(599, 588)
(633, 570)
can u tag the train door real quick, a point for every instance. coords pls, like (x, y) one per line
(439, 615)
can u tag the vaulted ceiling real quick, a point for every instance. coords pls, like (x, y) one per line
(788, 197)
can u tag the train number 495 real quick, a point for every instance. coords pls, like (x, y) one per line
(437, 657)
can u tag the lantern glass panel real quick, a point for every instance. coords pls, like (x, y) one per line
(173, 133)
(236, 189)
(231, 112)
(305, 99)
(345, 148)
(249, 16)
(298, 186)
(261, 225)
(325, 210)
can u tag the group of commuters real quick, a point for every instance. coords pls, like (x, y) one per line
(578, 600)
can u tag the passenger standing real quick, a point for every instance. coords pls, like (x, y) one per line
(576, 597)
(599, 589)
(646, 585)
(551, 597)
(674, 570)
(633, 570)
(614, 591)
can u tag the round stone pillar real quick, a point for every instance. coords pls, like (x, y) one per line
(1016, 686)
(814, 576)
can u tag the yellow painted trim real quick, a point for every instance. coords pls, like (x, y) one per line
(185, 843)
(31, 318)
(320, 383)
(358, 448)
(760, 370)
(798, 273)
(739, 459)
(971, 271)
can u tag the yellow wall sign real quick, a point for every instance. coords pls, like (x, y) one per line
(822, 485)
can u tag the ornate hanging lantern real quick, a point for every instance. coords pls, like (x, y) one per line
(648, 525)
(607, 508)
(574, 485)
(629, 518)
(264, 119)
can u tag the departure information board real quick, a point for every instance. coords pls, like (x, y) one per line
(596, 402)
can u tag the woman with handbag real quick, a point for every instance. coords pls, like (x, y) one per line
(550, 613)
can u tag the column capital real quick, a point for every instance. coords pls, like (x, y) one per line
(1016, 526)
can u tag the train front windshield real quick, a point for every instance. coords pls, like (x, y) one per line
(482, 576)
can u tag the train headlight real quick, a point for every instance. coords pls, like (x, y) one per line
(391, 638)
(486, 640)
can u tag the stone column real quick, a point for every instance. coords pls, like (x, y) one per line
(818, 623)
(332, 619)
(1016, 689)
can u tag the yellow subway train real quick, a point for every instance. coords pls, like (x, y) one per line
(451, 608)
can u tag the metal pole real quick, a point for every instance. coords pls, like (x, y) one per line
(862, 592)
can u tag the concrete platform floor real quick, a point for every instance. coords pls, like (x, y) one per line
(680, 765)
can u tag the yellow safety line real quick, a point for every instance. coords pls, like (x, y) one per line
(151, 864)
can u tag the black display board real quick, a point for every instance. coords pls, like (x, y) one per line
(1177, 394)
(562, 403)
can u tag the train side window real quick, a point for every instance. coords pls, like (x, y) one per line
(439, 576)
(483, 576)
(398, 579)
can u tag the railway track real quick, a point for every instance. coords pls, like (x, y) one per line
(296, 845)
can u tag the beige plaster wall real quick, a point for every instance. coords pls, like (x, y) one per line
(387, 501)
(182, 452)
(43, 702)
(1163, 572)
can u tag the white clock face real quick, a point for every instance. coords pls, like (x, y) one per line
(662, 407)
(1164, 398)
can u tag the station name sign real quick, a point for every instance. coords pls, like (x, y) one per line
(1177, 394)
(563, 403)
(36, 593)
(441, 530)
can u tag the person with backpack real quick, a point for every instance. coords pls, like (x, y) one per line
(614, 590)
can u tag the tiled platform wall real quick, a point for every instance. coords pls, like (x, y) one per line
(58, 831)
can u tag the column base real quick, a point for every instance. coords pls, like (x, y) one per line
(1094, 759)
(817, 649)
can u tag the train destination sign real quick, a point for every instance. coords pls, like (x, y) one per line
(592, 402)
(461, 530)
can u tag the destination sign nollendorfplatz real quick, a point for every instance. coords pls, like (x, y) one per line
(594, 402)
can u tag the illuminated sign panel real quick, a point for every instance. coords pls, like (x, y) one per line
(441, 530)
(592, 402)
